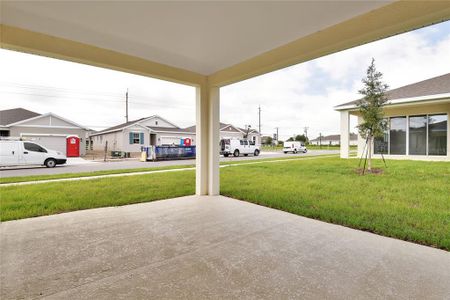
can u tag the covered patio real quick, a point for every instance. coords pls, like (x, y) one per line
(207, 246)
(210, 247)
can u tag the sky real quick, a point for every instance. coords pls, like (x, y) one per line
(293, 98)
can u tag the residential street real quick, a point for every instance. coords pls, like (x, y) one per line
(78, 165)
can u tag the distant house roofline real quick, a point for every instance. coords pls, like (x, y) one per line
(334, 137)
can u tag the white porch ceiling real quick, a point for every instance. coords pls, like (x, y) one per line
(203, 37)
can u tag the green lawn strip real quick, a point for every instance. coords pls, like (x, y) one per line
(410, 201)
(309, 147)
(87, 174)
(18, 202)
(119, 171)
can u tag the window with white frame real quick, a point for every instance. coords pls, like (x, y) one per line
(136, 138)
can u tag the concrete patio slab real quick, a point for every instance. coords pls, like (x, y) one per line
(210, 247)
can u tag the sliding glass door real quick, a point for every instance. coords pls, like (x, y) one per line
(418, 135)
(397, 134)
(437, 134)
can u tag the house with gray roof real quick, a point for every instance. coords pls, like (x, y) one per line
(49, 129)
(418, 127)
(333, 140)
(155, 131)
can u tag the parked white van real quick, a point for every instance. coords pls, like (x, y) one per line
(237, 147)
(17, 153)
(294, 147)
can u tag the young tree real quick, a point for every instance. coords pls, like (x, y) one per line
(371, 108)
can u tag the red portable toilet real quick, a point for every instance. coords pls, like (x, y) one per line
(187, 142)
(73, 146)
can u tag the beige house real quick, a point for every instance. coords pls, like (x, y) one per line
(334, 140)
(49, 129)
(418, 126)
(229, 131)
(155, 131)
(132, 135)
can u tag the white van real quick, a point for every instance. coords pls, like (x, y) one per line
(237, 147)
(17, 153)
(294, 147)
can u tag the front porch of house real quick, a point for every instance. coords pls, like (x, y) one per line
(210, 247)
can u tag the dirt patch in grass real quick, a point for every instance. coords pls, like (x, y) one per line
(375, 171)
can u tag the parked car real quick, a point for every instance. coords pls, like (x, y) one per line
(237, 147)
(16, 153)
(294, 147)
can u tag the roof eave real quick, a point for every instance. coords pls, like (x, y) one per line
(401, 101)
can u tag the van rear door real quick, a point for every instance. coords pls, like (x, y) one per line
(9, 153)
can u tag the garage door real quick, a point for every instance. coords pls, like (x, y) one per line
(57, 143)
(169, 140)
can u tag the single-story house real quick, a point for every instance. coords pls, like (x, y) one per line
(132, 135)
(153, 131)
(417, 117)
(334, 140)
(229, 131)
(49, 129)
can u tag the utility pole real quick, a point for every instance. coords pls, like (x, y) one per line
(259, 118)
(305, 130)
(277, 136)
(275, 139)
(126, 106)
(320, 140)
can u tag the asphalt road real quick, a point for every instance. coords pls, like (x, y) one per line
(91, 166)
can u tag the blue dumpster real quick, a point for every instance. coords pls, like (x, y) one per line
(174, 152)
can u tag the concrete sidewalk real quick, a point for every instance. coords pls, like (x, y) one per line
(210, 247)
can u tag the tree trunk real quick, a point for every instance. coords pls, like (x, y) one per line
(369, 146)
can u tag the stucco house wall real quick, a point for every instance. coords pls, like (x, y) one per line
(49, 125)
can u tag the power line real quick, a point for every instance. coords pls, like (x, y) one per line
(99, 99)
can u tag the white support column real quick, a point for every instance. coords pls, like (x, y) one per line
(214, 139)
(201, 136)
(345, 134)
(207, 140)
(361, 140)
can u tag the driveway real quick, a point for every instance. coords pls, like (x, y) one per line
(80, 165)
(210, 247)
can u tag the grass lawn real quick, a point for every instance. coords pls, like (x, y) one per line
(86, 174)
(410, 201)
(309, 147)
(17, 202)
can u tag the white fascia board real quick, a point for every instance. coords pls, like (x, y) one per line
(48, 115)
(230, 125)
(47, 134)
(400, 101)
(136, 124)
(105, 132)
(47, 126)
(175, 132)
(159, 117)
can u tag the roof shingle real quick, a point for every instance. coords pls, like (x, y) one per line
(433, 86)
(9, 116)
